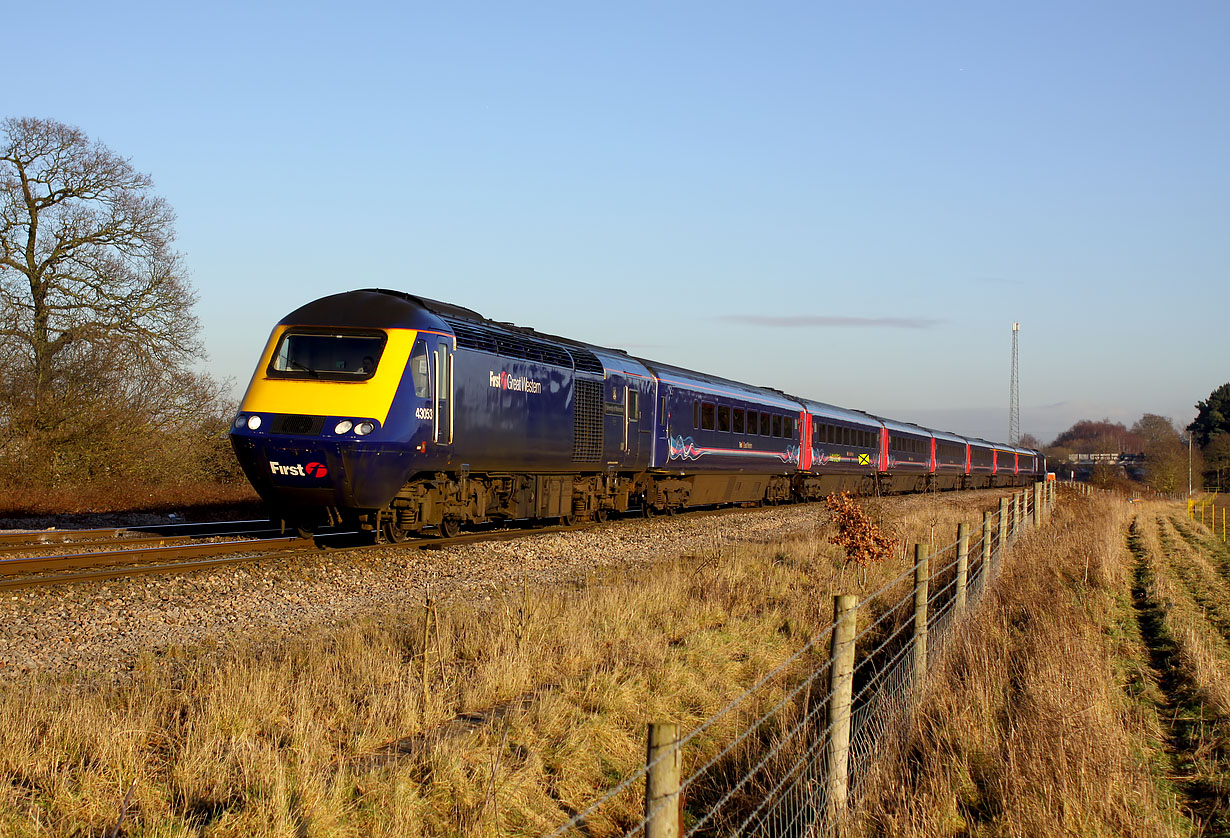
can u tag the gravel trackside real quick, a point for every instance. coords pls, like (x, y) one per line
(104, 628)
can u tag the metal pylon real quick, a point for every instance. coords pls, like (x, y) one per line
(1014, 403)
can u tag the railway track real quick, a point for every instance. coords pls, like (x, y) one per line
(124, 552)
(136, 551)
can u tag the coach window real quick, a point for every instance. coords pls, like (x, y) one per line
(634, 406)
(723, 418)
(752, 422)
(418, 370)
(766, 424)
(706, 416)
(788, 427)
(777, 425)
(738, 426)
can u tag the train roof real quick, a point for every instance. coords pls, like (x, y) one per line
(903, 427)
(950, 436)
(720, 386)
(621, 362)
(365, 309)
(832, 411)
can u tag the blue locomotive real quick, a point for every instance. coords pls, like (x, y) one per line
(398, 415)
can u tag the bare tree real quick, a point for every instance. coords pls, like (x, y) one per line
(97, 333)
(1165, 455)
(85, 257)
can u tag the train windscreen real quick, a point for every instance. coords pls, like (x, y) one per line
(333, 356)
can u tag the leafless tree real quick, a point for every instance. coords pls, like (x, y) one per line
(97, 330)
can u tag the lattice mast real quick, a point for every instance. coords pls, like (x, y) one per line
(1014, 401)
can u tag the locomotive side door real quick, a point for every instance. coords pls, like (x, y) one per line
(442, 393)
(632, 422)
(614, 419)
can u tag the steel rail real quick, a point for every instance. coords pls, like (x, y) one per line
(119, 572)
(169, 530)
(35, 564)
(122, 541)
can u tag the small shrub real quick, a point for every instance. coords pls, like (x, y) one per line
(864, 542)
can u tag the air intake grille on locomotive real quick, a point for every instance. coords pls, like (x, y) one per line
(508, 344)
(586, 361)
(587, 421)
(297, 425)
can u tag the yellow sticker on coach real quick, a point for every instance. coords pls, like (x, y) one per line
(864, 459)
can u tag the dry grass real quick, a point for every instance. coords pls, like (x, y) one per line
(1041, 719)
(533, 703)
(1194, 600)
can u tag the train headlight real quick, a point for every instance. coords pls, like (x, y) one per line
(364, 428)
(240, 421)
(254, 423)
(343, 426)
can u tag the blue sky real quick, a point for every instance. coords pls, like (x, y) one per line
(850, 202)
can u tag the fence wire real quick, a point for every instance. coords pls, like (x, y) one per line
(771, 777)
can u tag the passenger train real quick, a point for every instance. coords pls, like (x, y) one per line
(400, 415)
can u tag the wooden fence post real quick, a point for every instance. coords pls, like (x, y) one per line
(1038, 504)
(662, 781)
(986, 547)
(841, 691)
(1018, 513)
(1003, 534)
(962, 566)
(921, 577)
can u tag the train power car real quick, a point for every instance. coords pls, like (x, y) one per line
(396, 414)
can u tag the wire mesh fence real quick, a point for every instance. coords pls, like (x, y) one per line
(790, 754)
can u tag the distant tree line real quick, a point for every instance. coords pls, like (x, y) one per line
(100, 356)
(1156, 437)
(1163, 444)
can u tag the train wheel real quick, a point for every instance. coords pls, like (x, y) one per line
(394, 533)
(449, 527)
(600, 516)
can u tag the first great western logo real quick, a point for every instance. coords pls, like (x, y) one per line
(503, 381)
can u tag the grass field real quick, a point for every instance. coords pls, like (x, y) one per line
(1089, 697)
(487, 718)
